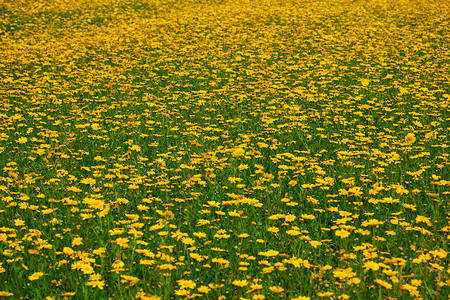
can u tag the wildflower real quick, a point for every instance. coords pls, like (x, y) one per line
(186, 284)
(289, 218)
(96, 283)
(22, 140)
(315, 243)
(325, 294)
(238, 152)
(122, 242)
(273, 229)
(343, 273)
(269, 253)
(372, 222)
(423, 219)
(411, 289)
(77, 241)
(293, 232)
(135, 148)
(276, 289)
(203, 289)
(240, 283)
(242, 167)
(342, 233)
(118, 266)
(371, 265)
(384, 284)
(293, 182)
(129, 279)
(19, 222)
(410, 138)
(354, 280)
(88, 181)
(6, 294)
(35, 276)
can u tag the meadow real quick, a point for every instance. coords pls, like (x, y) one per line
(235, 149)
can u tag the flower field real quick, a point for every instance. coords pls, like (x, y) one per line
(264, 149)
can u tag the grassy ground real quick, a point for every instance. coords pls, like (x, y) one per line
(224, 149)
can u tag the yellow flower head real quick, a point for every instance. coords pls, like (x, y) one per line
(410, 138)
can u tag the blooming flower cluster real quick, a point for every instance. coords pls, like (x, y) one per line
(224, 149)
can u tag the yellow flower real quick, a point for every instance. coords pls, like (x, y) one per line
(273, 229)
(293, 232)
(276, 289)
(410, 138)
(77, 241)
(354, 280)
(5, 294)
(22, 140)
(135, 148)
(129, 279)
(384, 284)
(90, 181)
(122, 242)
(97, 283)
(68, 251)
(186, 284)
(203, 289)
(238, 152)
(344, 273)
(315, 243)
(19, 222)
(240, 283)
(269, 253)
(325, 294)
(35, 276)
(342, 233)
(293, 182)
(416, 282)
(371, 265)
(289, 218)
(242, 167)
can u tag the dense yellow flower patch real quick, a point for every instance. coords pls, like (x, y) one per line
(224, 149)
